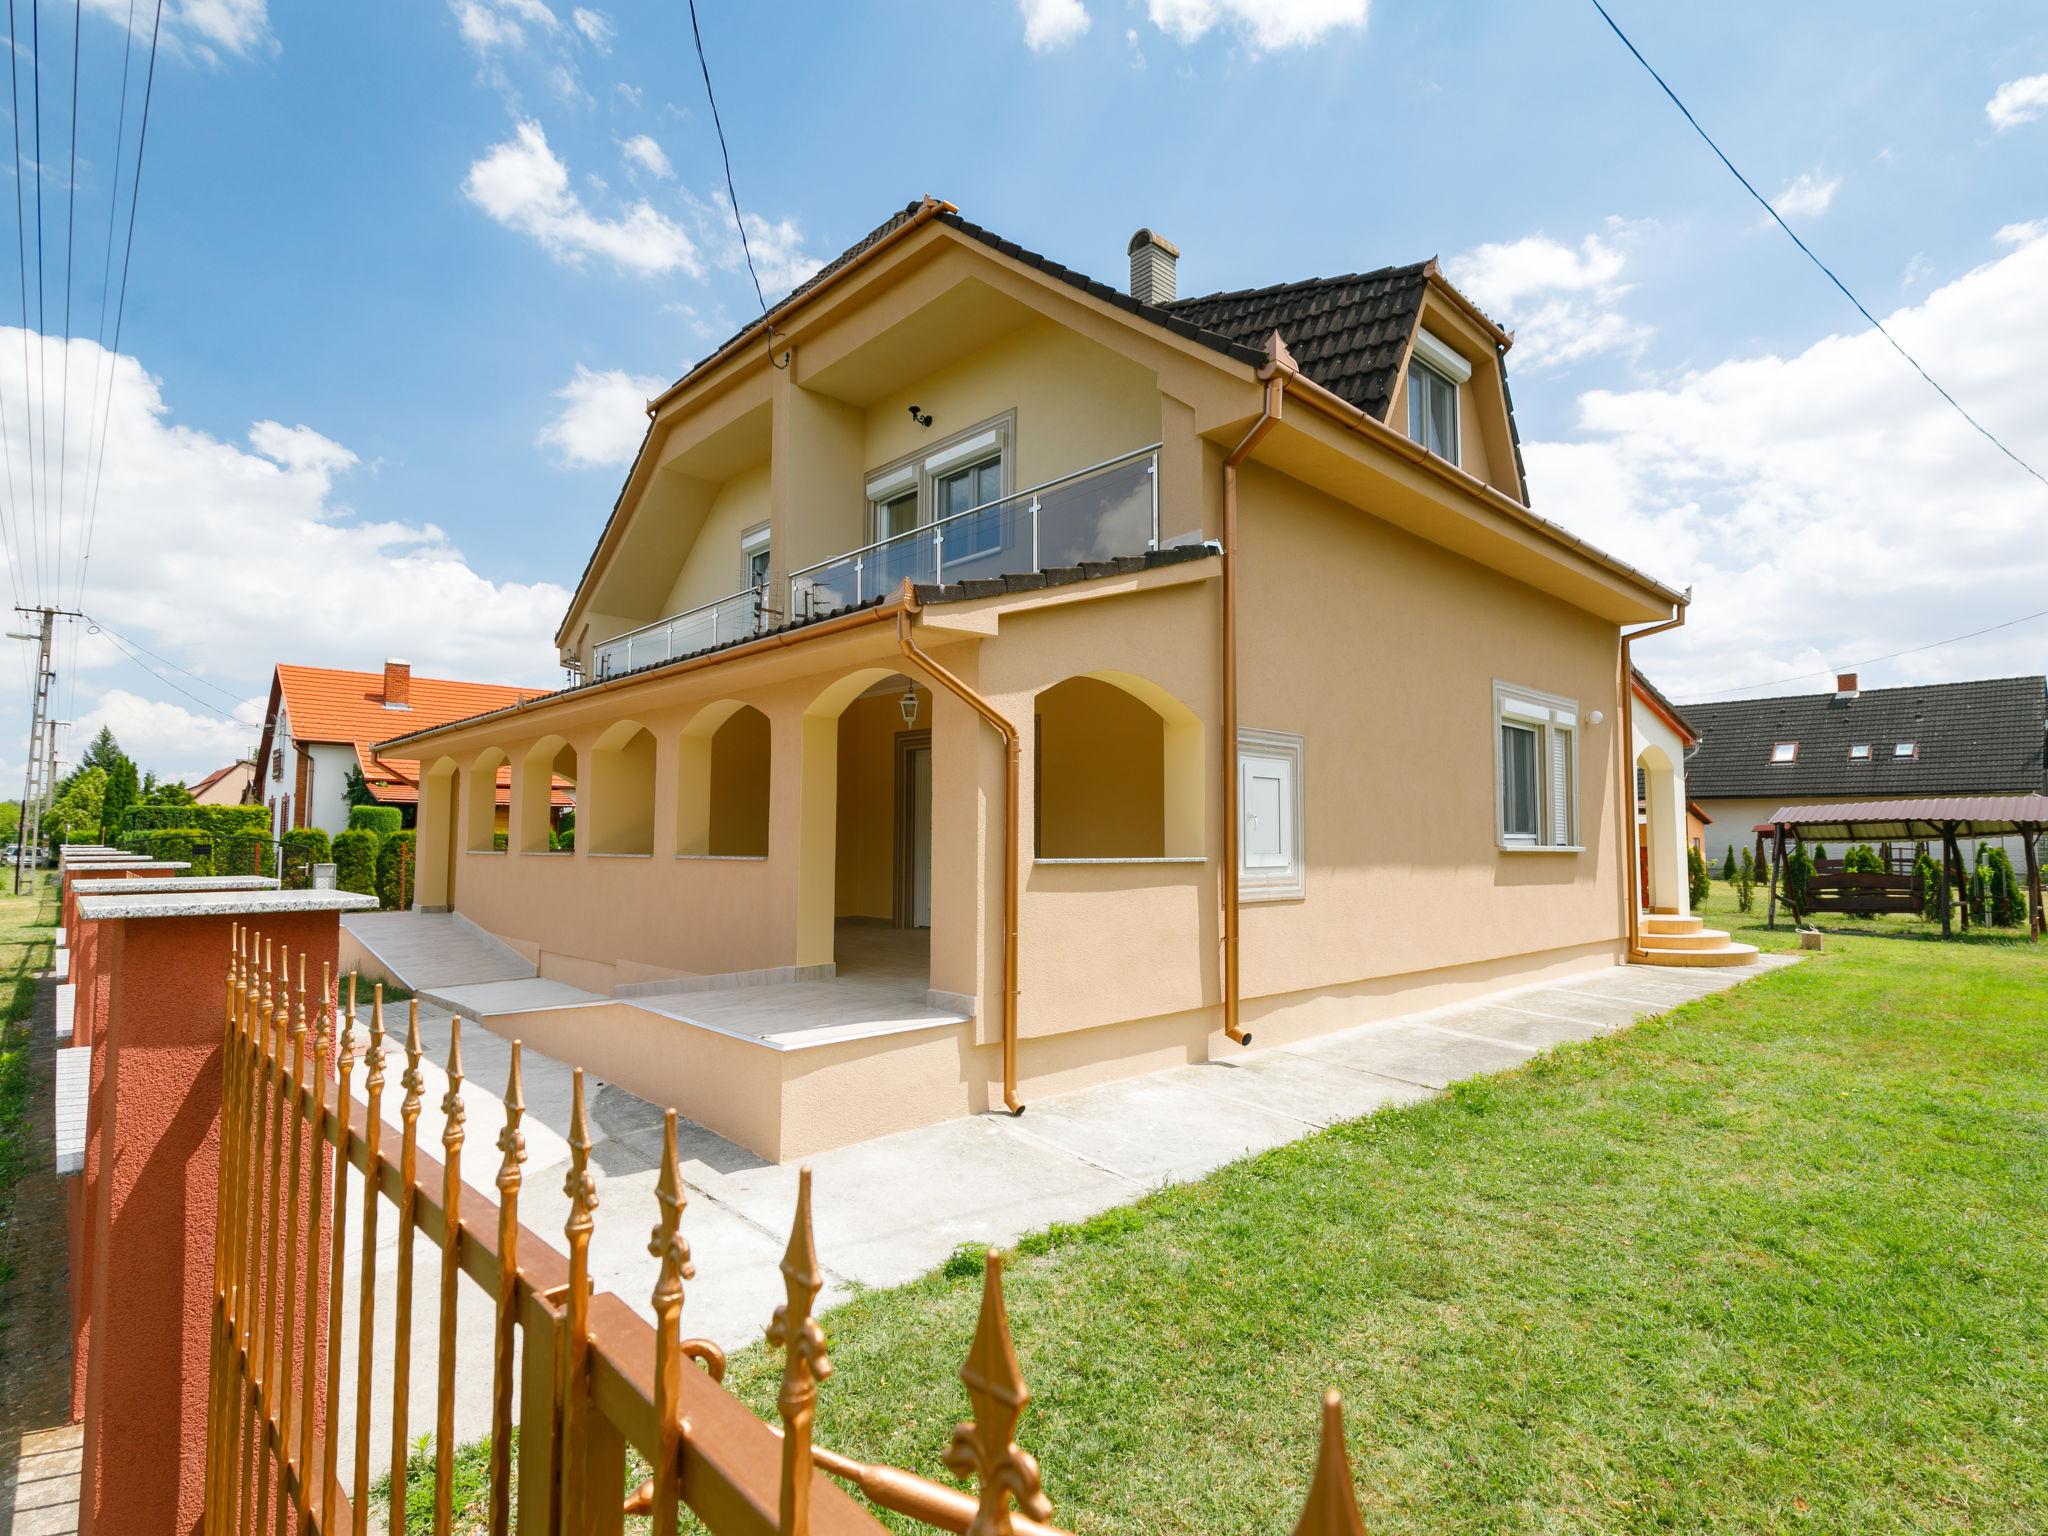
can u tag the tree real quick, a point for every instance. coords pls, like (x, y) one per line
(355, 789)
(79, 806)
(1696, 877)
(123, 791)
(10, 819)
(104, 752)
(1728, 864)
(2008, 904)
(1933, 888)
(174, 793)
(1820, 851)
(1798, 870)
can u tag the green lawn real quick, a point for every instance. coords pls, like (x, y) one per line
(26, 922)
(1774, 1262)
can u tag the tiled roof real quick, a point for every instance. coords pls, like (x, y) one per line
(1973, 738)
(1064, 575)
(1348, 333)
(1656, 696)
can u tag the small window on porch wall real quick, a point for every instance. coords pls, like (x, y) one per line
(1118, 771)
(620, 817)
(722, 777)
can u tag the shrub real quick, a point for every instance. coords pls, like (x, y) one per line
(500, 842)
(355, 861)
(1798, 870)
(565, 840)
(1980, 896)
(1728, 867)
(1745, 889)
(2008, 901)
(303, 847)
(1696, 879)
(241, 854)
(1933, 893)
(1863, 860)
(1748, 869)
(395, 872)
(219, 820)
(382, 820)
(1820, 851)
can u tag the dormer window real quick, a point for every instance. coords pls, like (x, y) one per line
(1434, 373)
(1859, 752)
(1785, 752)
(1906, 749)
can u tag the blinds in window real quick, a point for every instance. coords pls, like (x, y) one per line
(1560, 785)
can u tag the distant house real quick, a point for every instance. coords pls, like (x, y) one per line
(1755, 755)
(322, 722)
(226, 786)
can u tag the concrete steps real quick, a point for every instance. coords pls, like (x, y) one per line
(1670, 940)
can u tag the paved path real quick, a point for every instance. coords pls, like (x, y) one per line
(888, 1210)
(435, 949)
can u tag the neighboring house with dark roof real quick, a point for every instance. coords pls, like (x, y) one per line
(1020, 681)
(323, 723)
(1984, 737)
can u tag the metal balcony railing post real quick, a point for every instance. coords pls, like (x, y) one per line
(939, 553)
(1034, 533)
(1152, 474)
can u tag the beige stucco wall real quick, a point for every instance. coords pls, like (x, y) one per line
(1660, 753)
(711, 569)
(1099, 772)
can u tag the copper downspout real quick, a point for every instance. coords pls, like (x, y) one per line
(1012, 882)
(1275, 374)
(1630, 856)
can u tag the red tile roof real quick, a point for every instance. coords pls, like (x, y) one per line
(328, 704)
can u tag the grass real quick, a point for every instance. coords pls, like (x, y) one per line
(1770, 1263)
(26, 924)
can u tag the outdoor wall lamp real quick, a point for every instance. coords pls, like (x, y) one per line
(908, 704)
(1595, 717)
(922, 418)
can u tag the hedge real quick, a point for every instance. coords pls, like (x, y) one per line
(241, 854)
(382, 820)
(355, 862)
(217, 820)
(303, 848)
(395, 872)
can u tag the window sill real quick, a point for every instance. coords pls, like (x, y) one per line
(1171, 858)
(487, 853)
(596, 855)
(547, 853)
(715, 858)
(1542, 847)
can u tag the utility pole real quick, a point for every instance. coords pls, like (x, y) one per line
(42, 741)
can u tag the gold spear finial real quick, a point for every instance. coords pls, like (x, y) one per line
(986, 1449)
(579, 1185)
(512, 1140)
(804, 1363)
(452, 1113)
(1332, 1505)
(414, 1084)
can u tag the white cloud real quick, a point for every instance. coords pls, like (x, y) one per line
(596, 27)
(2018, 101)
(2022, 233)
(228, 558)
(641, 150)
(204, 28)
(1917, 271)
(484, 28)
(1052, 24)
(779, 256)
(603, 417)
(1807, 195)
(1561, 301)
(1265, 24)
(1828, 505)
(160, 732)
(524, 186)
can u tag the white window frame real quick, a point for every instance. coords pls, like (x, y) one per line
(1549, 715)
(1859, 751)
(1417, 368)
(1273, 882)
(1784, 753)
(1910, 749)
(921, 471)
(753, 541)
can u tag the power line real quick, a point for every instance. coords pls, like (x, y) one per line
(1911, 650)
(70, 247)
(1807, 251)
(99, 334)
(726, 155)
(96, 624)
(145, 666)
(121, 308)
(42, 296)
(21, 260)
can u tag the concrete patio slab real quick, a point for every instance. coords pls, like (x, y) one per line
(1313, 1092)
(492, 999)
(1430, 1055)
(1535, 1031)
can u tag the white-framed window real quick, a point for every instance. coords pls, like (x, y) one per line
(1434, 373)
(1784, 752)
(959, 474)
(1271, 865)
(1859, 752)
(1536, 768)
(754, 557)
(1906, 749)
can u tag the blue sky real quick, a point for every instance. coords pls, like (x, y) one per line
(403, 270)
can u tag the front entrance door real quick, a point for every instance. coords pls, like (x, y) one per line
(914, 829)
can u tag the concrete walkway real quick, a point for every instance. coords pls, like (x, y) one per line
(890, 1209)
(435, 949)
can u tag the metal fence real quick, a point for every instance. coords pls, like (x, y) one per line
(588, 1376)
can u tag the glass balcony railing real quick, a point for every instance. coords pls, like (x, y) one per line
(718, 623)
(1098, 513)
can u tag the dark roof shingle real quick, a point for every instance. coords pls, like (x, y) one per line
(1973, 738)
(1349, 334)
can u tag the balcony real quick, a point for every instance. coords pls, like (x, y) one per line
(716, 623)
(1098, 513)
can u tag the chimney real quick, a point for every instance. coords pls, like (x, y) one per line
(1845, 685)
(1153, 259)
(398, 685)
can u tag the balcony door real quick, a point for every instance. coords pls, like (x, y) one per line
(914, 829)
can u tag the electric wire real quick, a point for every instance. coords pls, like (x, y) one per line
(90, 497)
(42, 294)
(21, 258)
(121, 307)
(1911, 650)
(726, 155)
(1806, 250)
(70, 248)
(97, 624)
(122, 647)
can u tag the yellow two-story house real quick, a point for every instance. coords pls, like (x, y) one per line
(990, 682)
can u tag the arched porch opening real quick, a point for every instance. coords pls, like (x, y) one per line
(435, 854)
(1118, 770)
(486, 814)
(1660, 835)
(723, 761)
(619, 818)
(545, 771)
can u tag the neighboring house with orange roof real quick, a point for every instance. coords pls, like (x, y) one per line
(323, 721)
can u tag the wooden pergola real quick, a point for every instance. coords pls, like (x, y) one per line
(1943, 818)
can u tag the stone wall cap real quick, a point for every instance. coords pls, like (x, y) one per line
(96, 909)
(114, 885)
